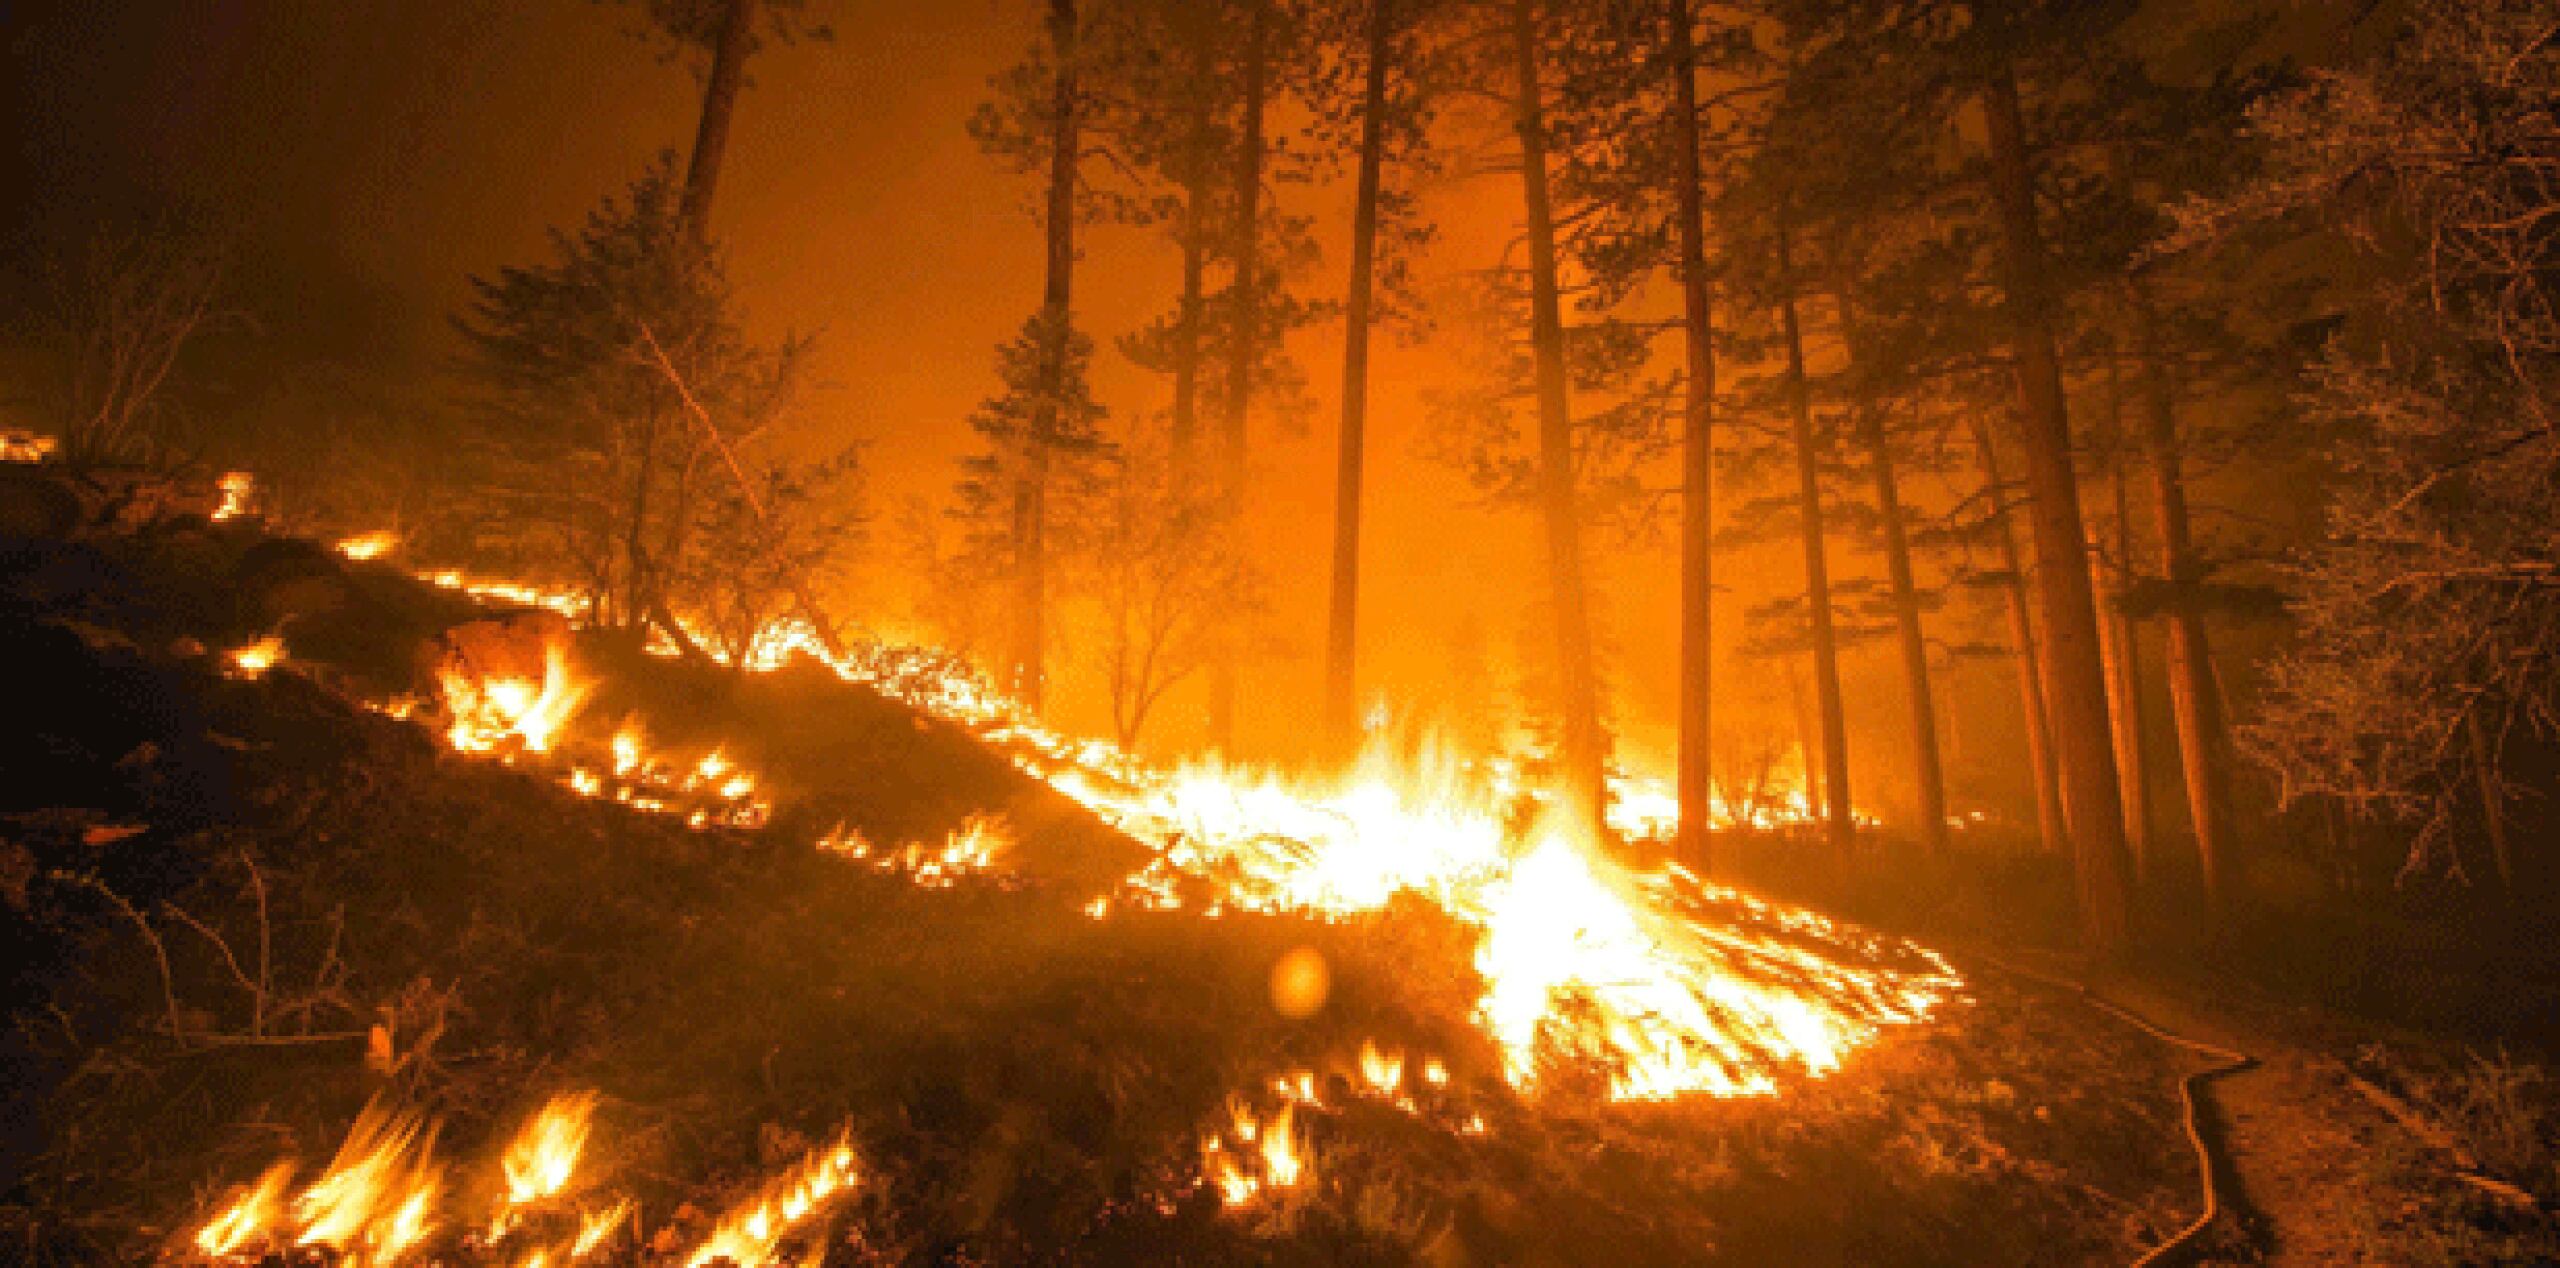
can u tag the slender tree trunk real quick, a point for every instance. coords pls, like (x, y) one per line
(1186, 331)
(1341, 678)
(1246, 249)
(2493, 800)
(2073, 673)
(1928, 769)
(2194, 696)
(1031, 515)
(719, 103)
(1583, 751)
(635, 541)
(2122, 642)
(1696, 782)
(2052, 828)
(1808, 741)
(1840, 826)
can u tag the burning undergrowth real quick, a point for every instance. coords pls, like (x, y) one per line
(924, 1049)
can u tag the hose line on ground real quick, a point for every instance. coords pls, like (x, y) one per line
(2232, 1060)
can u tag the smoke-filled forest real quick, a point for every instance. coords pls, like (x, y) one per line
(689, 632)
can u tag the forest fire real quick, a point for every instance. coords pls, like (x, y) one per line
(1417, 620)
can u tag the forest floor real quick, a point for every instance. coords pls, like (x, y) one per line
(2349, 1143)
(1020, 1082)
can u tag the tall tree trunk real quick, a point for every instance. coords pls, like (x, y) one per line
(1583, 750)
(1840, 827)
(719, 103)
(1928, 768)
(1195, 259)
(2203, 737)
(1696, 781)
(2122, 643)
(1031, 516)
(1246, 249)
(2052, 829)
(2074, 676)
(1341, 649)
(635, 545)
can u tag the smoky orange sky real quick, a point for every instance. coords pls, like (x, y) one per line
(375, 153)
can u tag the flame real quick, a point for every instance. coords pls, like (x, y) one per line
(367, 546)
(376, 1199)
(544, 1155)
(489, 712)
(251, 1218)
(594, 1229)
(1384, 1072)
(1255, 1156)
(1669, 986)
(970, 850)
(751, 1231)
(254, 660)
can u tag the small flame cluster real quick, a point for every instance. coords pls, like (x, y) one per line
(757, 1227)
(1255, 1157)
(510, 716)
(384, 1199)
(1260, 1151)
(378, 1200)
(708, 791)
(971, 851)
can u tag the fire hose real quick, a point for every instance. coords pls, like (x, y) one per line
(2232, 1061)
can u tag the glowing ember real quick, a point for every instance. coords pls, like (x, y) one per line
(544, 1155)
(254, 660)
(751, 1232)
(26, 446)
(239, 496)
(365, 546)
